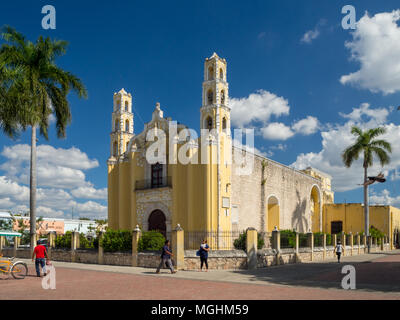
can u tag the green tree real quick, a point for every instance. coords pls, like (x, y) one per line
(367, 145)
(30, 69)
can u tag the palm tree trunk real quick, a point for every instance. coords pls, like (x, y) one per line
(33, 187)
(366, 207)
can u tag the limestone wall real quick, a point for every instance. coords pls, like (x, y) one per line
(292, 188)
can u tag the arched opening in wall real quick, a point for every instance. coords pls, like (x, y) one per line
(127, 126)
(208, 123)
(222, 97)
(127, 146)
(118, 104)
(116, 125)
(221, 74)
(272, 213)
(224, 123)
(157, 222)
(210, 97)
(315, 210)
(126, 106)
(210, 73)
(115, 149)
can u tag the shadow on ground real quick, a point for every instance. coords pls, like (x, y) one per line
(372, 276)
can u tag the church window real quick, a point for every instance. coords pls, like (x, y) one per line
(115, 149)
(127, 145)
(224, 123)
(209, 123)
(127, 125)
(156, 175)
(210, 97)
(126, 106)
(221, 74)
(116, 125)
(223, 97)
(210, 73)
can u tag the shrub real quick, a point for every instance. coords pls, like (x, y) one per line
(117, 240)
(151, 241)
(240, 243)
(64, 241)
(288, 239)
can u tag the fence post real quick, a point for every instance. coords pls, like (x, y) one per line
(310, 242)
(351, 241)
(15, 246)
(324, 244)
(297, 255)
(365, 242)
(1, 242)
(100, 249)
(276, 244)
(343, 240)
(251, 248)
(178, 247)
(382, 243)
(135, 243)
(358, 242)
(74, 236)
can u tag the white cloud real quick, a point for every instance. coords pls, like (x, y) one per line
(257, 107)
(376, 47)
(306, 126)
(61, 182)
(338, 137)
(89, 193)
(310, 35)
(55, 167)
(384, 198)
(277, 131)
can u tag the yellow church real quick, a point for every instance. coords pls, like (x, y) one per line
(166, 175)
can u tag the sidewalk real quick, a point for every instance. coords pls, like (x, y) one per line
(305, 274)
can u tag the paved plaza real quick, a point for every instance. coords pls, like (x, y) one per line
(377, 277)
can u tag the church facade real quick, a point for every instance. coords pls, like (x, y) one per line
(195, 182)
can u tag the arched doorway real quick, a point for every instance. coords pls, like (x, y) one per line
(273, 213)
(315, 210)
(157, 222)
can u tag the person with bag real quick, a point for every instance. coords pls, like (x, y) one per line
(166, 257)
(40, 252)
(203, 253)
(339, 249)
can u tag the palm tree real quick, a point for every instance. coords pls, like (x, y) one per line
(369, 146)
(42, 90)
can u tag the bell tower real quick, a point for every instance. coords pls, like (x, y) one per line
(122, 124)
(215, 113)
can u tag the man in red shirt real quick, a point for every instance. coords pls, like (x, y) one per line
(40, 252)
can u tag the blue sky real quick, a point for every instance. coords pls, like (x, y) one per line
(292, 51)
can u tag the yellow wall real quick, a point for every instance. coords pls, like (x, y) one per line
(352, 217)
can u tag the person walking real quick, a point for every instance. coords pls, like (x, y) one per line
(203, 251)
(166, 258)
(339, 249)
(40, 252)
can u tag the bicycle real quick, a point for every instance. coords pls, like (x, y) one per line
(18, 269)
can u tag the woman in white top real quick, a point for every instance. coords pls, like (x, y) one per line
(338, 249)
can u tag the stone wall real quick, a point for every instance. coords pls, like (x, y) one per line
(292, 188)
(217, 260)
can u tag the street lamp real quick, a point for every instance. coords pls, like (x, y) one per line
(371, 180)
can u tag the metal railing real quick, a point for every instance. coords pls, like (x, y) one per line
(223, 240)
(149, 184)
